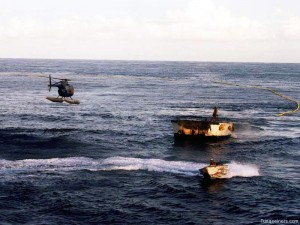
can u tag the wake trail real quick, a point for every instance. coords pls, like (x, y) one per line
(70, 164)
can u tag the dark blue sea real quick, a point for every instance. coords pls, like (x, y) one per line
(112, 159)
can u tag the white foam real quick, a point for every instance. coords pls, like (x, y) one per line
(242, 170)
(118, 163)
(158, 165)
(57, 164)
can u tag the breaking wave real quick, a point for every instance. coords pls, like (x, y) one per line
(117, 163)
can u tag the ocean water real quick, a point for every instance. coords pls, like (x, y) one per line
(113, 160)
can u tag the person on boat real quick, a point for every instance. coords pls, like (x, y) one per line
(215, 115)
(212, 162)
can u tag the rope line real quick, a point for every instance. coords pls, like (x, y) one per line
(267, 89)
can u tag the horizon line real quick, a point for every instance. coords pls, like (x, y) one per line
(146, 60)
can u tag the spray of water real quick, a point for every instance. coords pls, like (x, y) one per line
(157, 165)
(242, 170)
(118, 163)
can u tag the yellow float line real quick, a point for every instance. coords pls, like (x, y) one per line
(268, 89)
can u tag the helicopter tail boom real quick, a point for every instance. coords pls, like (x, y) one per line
(49, 85)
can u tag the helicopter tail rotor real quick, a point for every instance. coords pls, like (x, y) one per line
(49, 85)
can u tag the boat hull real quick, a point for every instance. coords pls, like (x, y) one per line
(215, 172)
(201, 130)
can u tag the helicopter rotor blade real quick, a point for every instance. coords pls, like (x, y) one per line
(35, 75)
(60, 79)
(53, 78)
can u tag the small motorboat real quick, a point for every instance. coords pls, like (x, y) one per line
(214, 171)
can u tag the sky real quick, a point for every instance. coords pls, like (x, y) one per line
(173, 30)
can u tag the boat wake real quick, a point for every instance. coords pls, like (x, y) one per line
(62, 165)
(157, 165)
(242, 170)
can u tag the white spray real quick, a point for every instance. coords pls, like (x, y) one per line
(118, 163)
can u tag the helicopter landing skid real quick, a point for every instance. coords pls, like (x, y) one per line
(54, 99)
(68, 100)
(72, 101)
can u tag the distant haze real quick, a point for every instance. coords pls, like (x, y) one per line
(189, 30)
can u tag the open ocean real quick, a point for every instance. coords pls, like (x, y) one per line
(113, 160)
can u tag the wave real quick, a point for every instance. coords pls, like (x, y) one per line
(117, 163)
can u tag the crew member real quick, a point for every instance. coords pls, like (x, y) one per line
(212, 162)
(215, 115)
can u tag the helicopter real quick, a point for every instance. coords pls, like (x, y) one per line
(65, 91)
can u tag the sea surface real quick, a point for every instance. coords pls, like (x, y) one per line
(112, 159)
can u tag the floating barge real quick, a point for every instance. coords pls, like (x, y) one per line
(201, 130)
